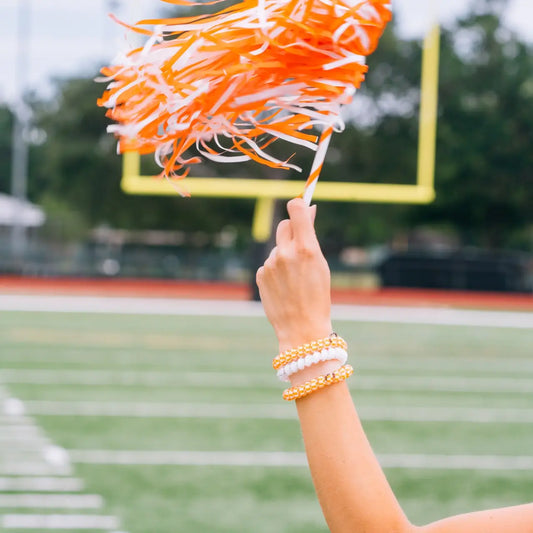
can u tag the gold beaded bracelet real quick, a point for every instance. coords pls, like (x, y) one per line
(300, 391)
(284, 358)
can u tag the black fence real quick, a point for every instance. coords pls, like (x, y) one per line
(471, 270)
(462, 269)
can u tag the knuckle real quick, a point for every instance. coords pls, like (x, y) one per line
(283, 256)
(268, 266)
(283, 225)
(306, 250)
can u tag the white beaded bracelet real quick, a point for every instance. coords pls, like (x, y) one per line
(327, 354)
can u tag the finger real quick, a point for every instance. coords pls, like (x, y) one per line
(313, 214)
(301, 217)
(272, 255)
(259, 275)
(283, 233)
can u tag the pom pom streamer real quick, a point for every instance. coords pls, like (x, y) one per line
(231, 83)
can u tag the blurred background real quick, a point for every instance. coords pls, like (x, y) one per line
(136, 393)
(63, 212)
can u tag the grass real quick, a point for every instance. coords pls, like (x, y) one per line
(200, 499)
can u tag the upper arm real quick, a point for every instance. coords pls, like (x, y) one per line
(518, 519)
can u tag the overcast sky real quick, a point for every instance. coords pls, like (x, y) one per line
(76, 36)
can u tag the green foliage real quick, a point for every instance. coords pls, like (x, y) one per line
(63, 221)
(485, 160)
(78, 164)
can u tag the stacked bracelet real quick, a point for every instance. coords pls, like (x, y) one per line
(291, 361)
(289, 356)
(295, 393)
(327, 354)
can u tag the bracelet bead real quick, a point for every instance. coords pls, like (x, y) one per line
(293, 354)
(301, 391)
(327, 354)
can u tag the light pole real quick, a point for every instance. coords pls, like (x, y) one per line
(21, 112)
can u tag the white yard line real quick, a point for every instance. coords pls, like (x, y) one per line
(33, 469)
(448, 364)
(14, 422)
(25, 452)
(434, 316)
(72, 522)
(404, 364)
(295, 459)
(153, 457)
(16, 456)
(274, 411)
(161, 410)
(488, 385)
(485, 385)
(19, 430)
(40, 484)
(7, 440)
(457, 462)
(133, 377)
(129, 306)
(50, 501)
(181, 307)
(26, 446)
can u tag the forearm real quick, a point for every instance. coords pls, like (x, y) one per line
(353, 491)
(351, 486)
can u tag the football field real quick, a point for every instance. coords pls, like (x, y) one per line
(138, 420)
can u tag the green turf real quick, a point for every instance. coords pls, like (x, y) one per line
(169, 499)
(210, 499)
(266, 435)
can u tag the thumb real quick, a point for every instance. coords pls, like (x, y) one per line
(302, 218)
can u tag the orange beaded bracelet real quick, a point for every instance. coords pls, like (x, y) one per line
(300, 391)
(284, 358)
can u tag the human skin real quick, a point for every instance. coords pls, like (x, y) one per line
(355, 496)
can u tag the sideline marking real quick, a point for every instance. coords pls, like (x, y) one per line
(486, 385)
(33, 469)
(275, 412)
(12, 421)
(434, 316)
(51, 501)
(21, 431)
(180, 307)
(40, 484)
(30, 446)
(119, 359)
(451, 363)
(297, 459)
(25, 451)
(36, 521)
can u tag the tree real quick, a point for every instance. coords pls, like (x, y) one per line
(484, 170)
(79, 165)
(485, 160)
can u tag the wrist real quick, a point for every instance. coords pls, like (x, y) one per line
(320, 369)
(295, 338)
(312, 365)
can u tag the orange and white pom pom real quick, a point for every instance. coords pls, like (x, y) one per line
(231, 83)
